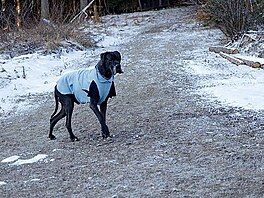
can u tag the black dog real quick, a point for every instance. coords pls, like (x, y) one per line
(94, 86)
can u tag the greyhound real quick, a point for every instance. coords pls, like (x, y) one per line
(91, 85)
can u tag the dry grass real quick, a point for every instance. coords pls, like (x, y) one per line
(46, 36)
(202, 16)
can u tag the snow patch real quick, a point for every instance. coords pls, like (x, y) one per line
(2, 183)
(10, 159)
(37, 158)
(32, 180)
(238, 86)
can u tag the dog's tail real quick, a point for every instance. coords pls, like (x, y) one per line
(57, 103)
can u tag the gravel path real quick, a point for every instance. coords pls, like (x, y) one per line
(167, 140)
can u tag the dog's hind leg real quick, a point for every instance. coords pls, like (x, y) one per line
(68, 110)
(54, 120)
(56, 102)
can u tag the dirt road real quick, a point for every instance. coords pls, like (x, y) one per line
(167, 140)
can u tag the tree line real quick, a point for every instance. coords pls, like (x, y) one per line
(18, 14)
(233, 16)
(15, 14)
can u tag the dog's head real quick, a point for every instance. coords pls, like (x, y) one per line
(109, 65)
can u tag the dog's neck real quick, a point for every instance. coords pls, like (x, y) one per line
(99, 70)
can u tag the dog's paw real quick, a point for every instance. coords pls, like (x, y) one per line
(105, 135)
(105, 132)
(52, 137)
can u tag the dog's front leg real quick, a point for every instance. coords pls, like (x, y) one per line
(101, 118)
(103, 108)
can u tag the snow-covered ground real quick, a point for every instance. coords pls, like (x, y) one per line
(238, 86)
(28, 75)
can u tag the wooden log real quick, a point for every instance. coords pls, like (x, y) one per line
(218, 49)
(231, 58)
(250, 63)
(241, 60)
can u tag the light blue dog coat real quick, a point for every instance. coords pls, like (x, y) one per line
(77, 81)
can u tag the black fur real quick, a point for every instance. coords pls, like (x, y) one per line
(108, 66)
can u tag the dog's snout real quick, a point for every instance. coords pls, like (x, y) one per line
(118, 69)
(114, 70)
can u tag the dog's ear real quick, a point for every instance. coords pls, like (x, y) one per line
(103, 56)
(118, 55)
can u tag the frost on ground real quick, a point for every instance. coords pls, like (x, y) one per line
(173, 133)
(24, 77)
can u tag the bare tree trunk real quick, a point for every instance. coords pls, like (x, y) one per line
(96, 15)
(2, 5)
(19, 19)
(83, 3)
(10, 14)
(75, 9)
(100, 8)
(44, 9)
(139, 4)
